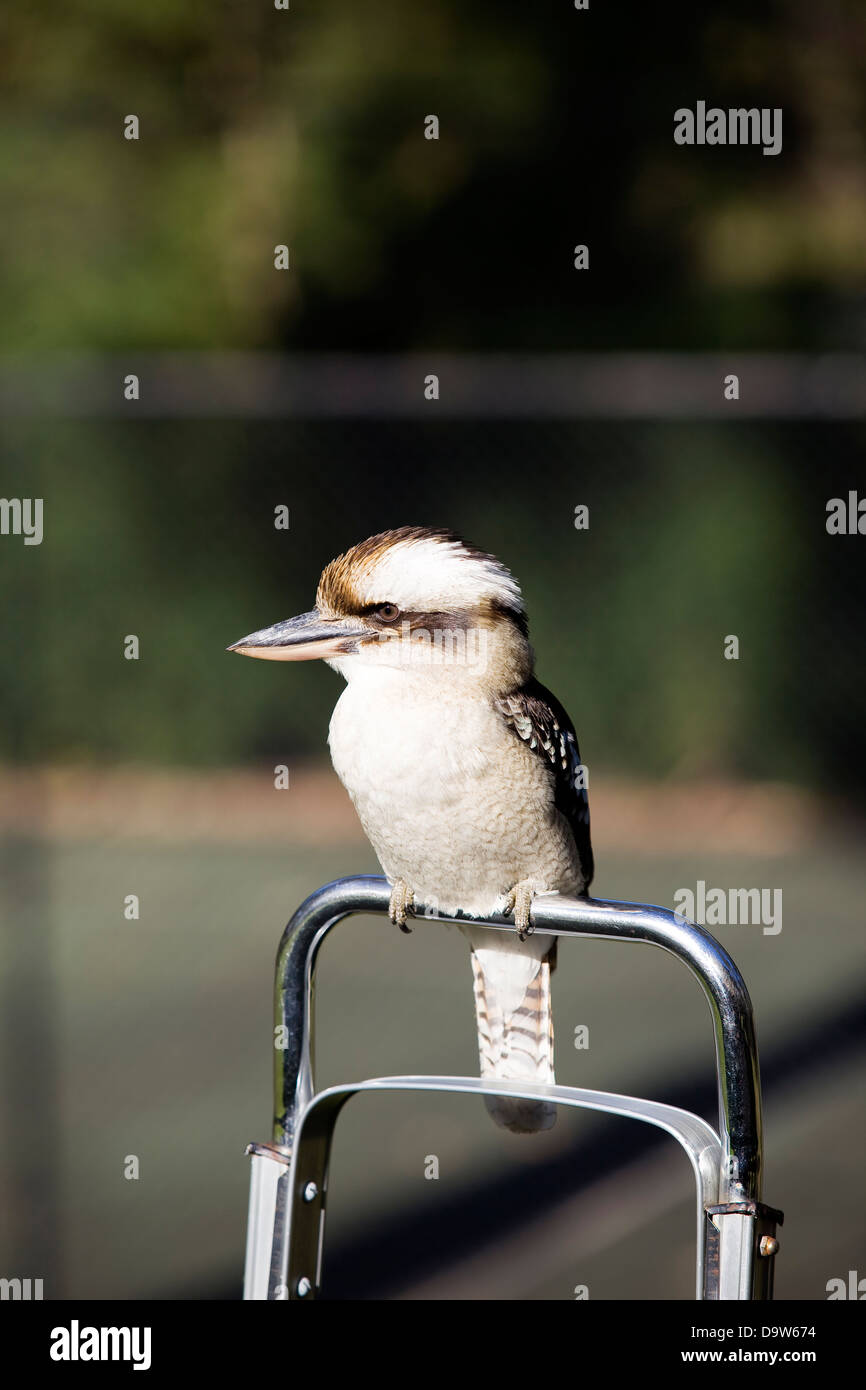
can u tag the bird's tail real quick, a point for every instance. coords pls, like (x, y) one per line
(515, 1024)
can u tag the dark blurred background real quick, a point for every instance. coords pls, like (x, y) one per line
(261, 388)
(306, 127)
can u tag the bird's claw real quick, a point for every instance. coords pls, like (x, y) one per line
(402, 900)
(519, 902)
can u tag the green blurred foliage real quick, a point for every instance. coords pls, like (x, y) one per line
(305, 127)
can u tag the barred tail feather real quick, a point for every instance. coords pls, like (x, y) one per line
(515, 1032)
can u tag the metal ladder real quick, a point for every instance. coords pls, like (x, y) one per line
(736, 1233)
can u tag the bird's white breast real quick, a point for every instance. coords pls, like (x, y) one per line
(451, 800)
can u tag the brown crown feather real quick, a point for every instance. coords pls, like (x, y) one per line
(337, 592)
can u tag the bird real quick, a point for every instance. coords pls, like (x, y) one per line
(464, 770)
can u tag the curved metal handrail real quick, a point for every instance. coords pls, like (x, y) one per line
(723, 986)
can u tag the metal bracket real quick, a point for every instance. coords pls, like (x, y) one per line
(289, 1179)
(741, 1246)
(308, 1180)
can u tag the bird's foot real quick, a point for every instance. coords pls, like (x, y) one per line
(402, 900)
(519, 902)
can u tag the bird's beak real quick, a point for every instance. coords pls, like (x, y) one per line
(302, 638)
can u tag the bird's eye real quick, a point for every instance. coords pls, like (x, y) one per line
(389, 611)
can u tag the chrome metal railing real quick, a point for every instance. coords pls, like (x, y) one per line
(736, 1235)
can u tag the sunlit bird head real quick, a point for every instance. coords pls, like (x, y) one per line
(417, 598)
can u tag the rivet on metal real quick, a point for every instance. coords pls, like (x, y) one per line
(304, 1287)
(311, 1192)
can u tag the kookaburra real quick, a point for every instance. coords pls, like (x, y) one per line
(465, 772)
